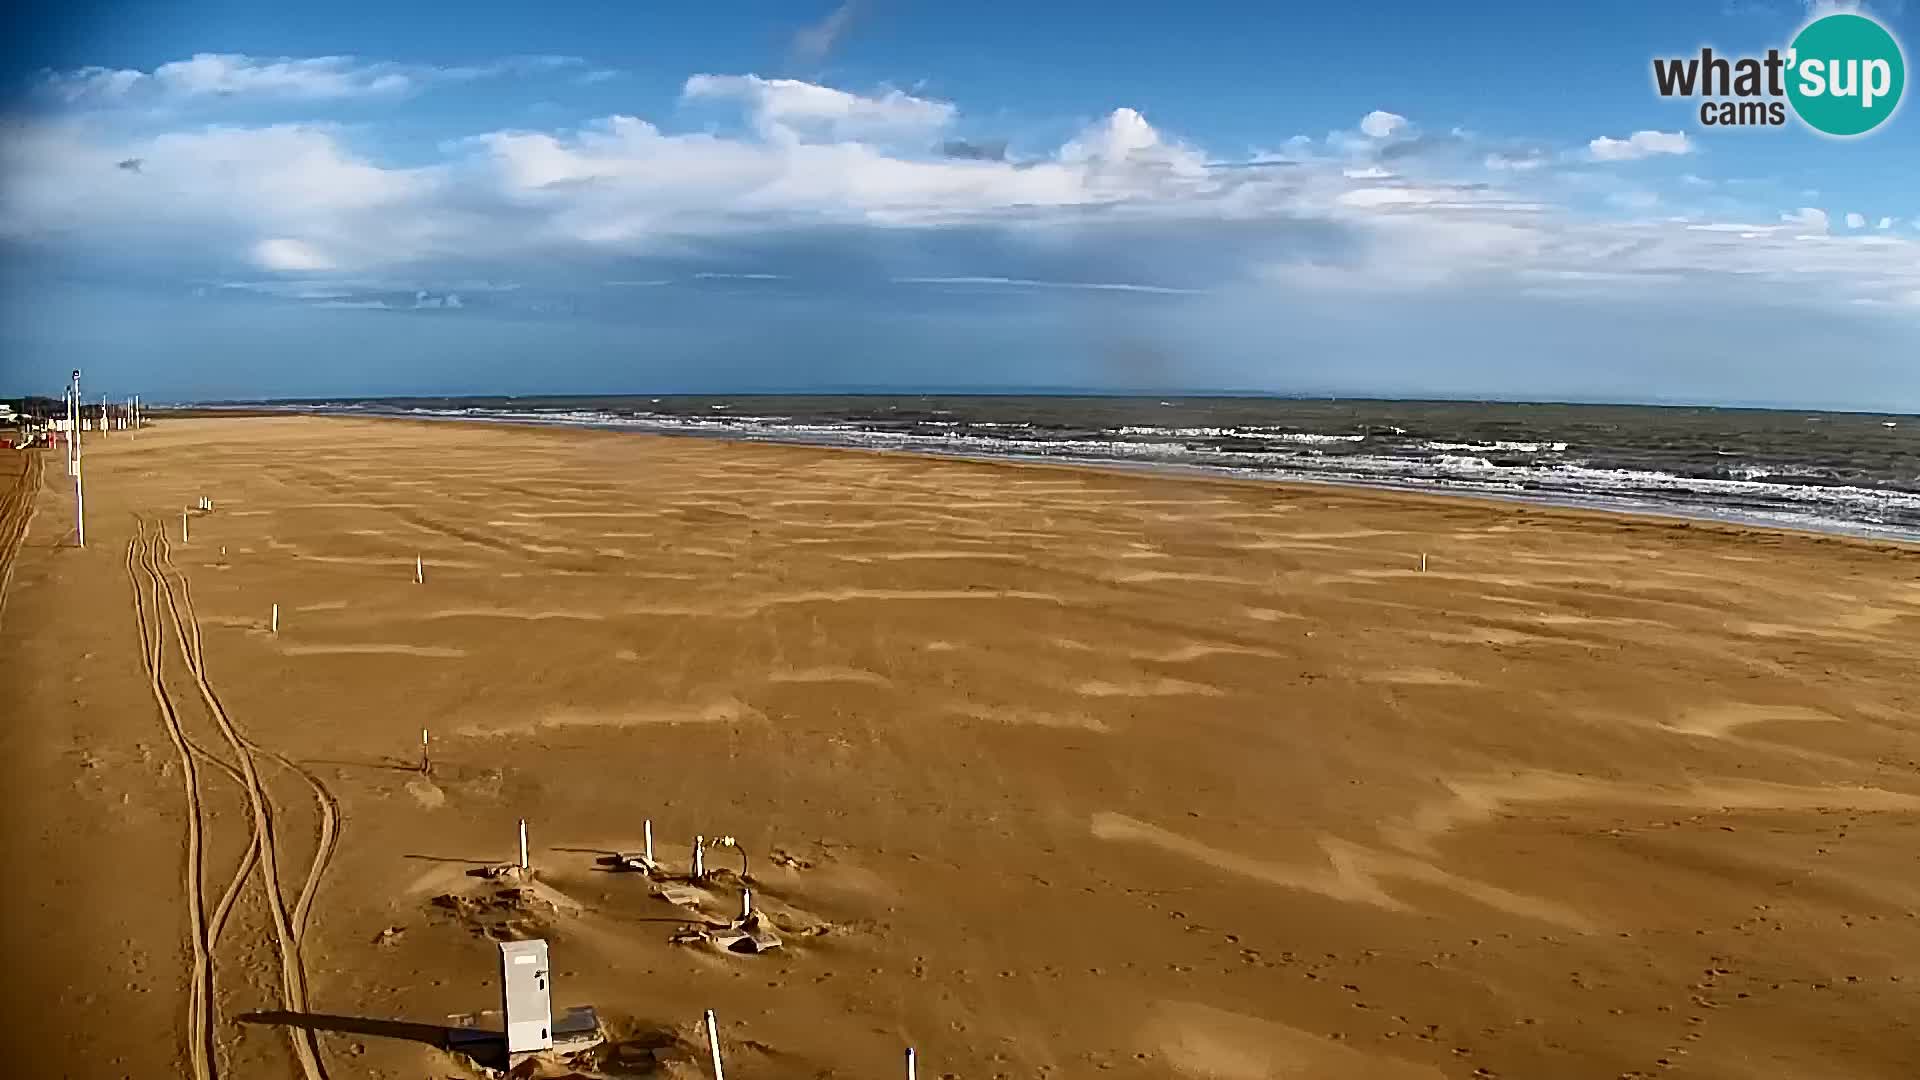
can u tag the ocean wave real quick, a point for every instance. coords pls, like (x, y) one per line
(1272, 434)
(1501, 446)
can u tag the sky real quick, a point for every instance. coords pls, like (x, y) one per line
(236, 201)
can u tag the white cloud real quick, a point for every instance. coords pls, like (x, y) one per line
(1029, 283)
(92, 82)
(1808, 218)
(789, 108)
(320, 77)
(296, 199)
(1125, 138)
(1856, 221)
(237, 75)
(286, 253)
(1886, 223)
(354, 305)
(1379, 124)
(1639, 145)
(1527, 162)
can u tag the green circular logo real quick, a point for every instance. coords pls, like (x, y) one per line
(1846, 74)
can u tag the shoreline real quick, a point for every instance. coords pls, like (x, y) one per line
(1734, 523)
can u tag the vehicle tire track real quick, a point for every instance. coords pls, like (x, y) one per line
(200, 1040)
(293, 977)
(16, 513)
(329, 807)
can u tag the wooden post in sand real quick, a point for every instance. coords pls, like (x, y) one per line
(713, 1047)
(276, 618)
(909, 1063)
(183, 526)
(426, 757)
(419, 571)
(746, 904)
(699, 858)
(524, 865)
(649, 834)
(1423, 562)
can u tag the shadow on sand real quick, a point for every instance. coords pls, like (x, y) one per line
(438, 1035)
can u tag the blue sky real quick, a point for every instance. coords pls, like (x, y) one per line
(226, 200)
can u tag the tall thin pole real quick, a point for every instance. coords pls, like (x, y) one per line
(713, 1047)
(79, 507)
(73, 427)
(76, 421)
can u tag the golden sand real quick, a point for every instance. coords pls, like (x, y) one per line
(1048, 772)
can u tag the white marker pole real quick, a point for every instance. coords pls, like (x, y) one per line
(419, 571)
(77, 409)
(1423, 562)
(699, 858)
(79, 506)
(746, 904)
(649, 832)
(426, 756)
(713, 1047)
(909, 1063)
(183, 526)
(524, 865)
(276, 618)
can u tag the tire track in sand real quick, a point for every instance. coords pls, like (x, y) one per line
(16, 511)
(329, 806)
(200, 979)
(289, 927)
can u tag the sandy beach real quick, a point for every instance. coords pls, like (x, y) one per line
(1044, 771)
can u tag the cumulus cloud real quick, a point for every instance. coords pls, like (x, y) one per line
(791, 109)
(1886, 223)
(1379, 124)
(808, 162)
(1641, 144)
(1856, 221)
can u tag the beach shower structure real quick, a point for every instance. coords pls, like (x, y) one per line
(526, 1002)
(525, 996)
